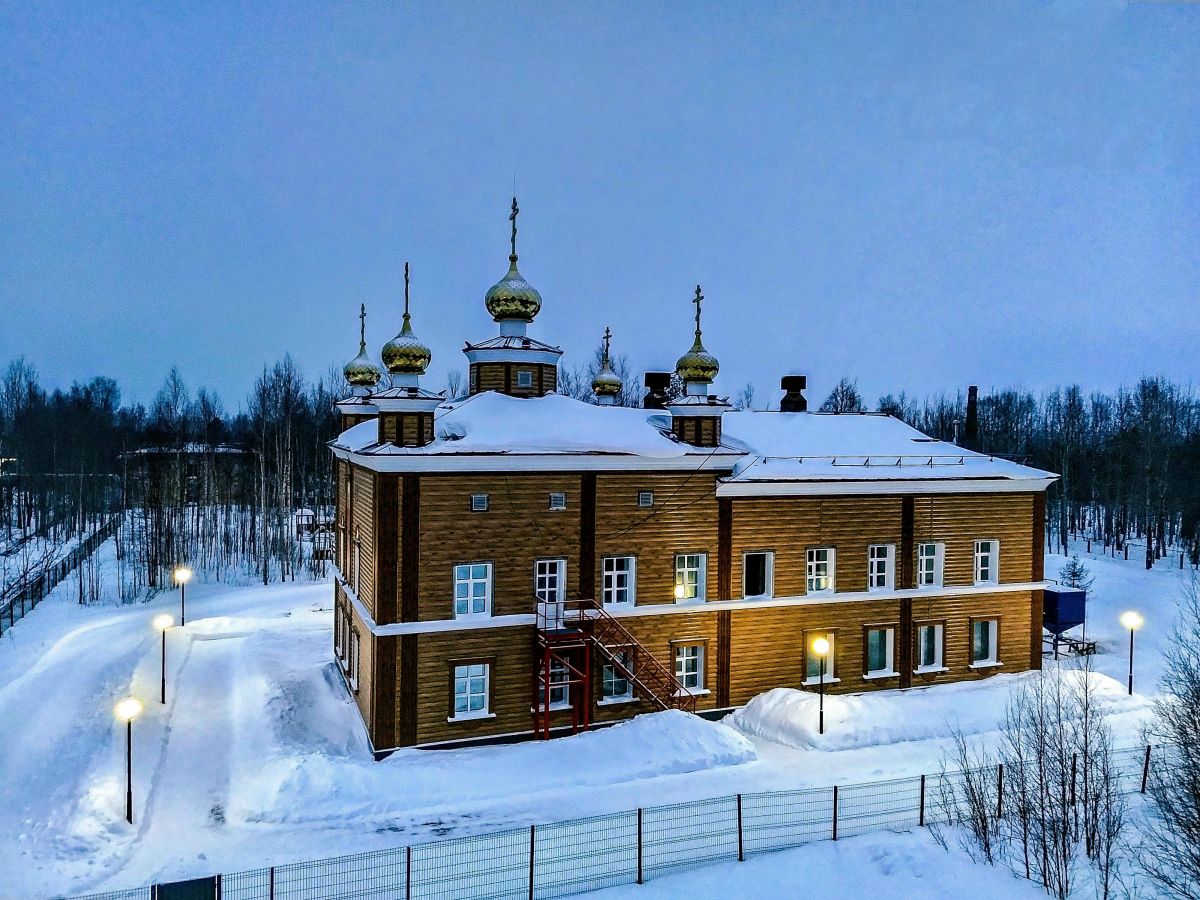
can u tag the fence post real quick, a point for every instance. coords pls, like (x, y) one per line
(271, 885)
(639, 855)
(999, 790)
(532, 837)
(741, 853)
(408, 872)
(921, 820)
(1146, 769)
(835, 811)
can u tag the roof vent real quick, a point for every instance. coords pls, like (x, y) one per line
(657, 385)
(793, 397)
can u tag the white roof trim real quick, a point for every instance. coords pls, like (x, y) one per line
(828, 486)
(397, 460)
(514, 355)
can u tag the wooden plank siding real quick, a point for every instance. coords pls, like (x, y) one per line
(958, 520)
(362, 528)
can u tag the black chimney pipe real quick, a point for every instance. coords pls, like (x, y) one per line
(793, 398)
(971, 428)
(657, 385)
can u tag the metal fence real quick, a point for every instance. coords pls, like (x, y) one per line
(572, 857)
(30, 594)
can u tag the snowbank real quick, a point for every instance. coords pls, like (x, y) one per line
(319, 787)
(789, 717)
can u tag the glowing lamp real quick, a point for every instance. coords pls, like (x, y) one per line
(163, 621)
(128, 709)
(820, 646)
(183, 575)
(680, 591)
(1132, 620)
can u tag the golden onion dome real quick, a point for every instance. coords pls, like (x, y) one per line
(512, 297)
(406, 354)
(606, 383)
(697, 365)
(362, 371)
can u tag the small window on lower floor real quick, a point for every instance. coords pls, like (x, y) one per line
(689, 666)
(813, 658)
(558, 501)
(560, 688)
(929, 647)
(352, 662)
(524, 378)
(879, 649)
(471, 690)
(617, 685)
(984, 641)
(479, 503)
(645, 498)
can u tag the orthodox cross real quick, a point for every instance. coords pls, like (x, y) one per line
(699, 297)
(362, 327)
(607, 338)
(513, 218)
(406, 289)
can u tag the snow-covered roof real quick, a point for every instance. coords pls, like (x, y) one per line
(757, 448)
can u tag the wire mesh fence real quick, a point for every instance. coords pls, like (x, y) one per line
(579, 855)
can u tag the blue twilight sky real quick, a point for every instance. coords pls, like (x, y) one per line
(919, 195)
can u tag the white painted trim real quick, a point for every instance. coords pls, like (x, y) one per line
(813, 682)
(836, 486)
(616, 701)
(931, 670)
(437, 626)
(874, 676)
(408, 404)
(516, 355)
(397, 459)
(990, 664)
(470, 717)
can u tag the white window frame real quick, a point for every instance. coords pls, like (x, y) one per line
(645, 499)
(683, 568)
(993, 643)
(481, 502)
(992, 555)
(608, 582)
(356, 561)
(683, 656)
(352, 662)
(770, 574)
(810, 568)
(606, 679)
(890, 650)
(550, 568)
(339, 640)
(558, 500)
(830, 658)
(524, 378)
(560, 687)
(888, 576)
(471, 580)
(467, 672)
(939, 637)
(939, 564)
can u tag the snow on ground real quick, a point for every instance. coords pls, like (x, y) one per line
(259, 757)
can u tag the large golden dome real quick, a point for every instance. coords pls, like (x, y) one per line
(362, 370)
(606, 383)
(406, 354)
(512, 297)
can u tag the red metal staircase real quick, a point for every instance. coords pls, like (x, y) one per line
(567, 630)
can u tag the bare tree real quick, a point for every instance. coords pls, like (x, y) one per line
(844, 398)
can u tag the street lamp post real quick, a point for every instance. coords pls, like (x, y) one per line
(1133, 621)
(820, 647)
(127, 710)
(182, 576)
(162, 623)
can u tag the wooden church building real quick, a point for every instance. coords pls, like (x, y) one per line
(515, 562)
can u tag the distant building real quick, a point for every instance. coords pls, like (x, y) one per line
(518, 562)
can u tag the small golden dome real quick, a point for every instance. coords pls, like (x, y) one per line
(697, 365)
(606, 383)
(362, 371)
(405, 354)
(512, 297)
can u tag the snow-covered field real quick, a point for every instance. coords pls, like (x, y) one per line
(258, 756)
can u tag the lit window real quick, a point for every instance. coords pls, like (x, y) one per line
(558, 501)
(880, 644)
(929, 647)
(812, 660)
(560, 688)
(689, 666)
(548, 580)
(689, 576)
(524, 378)
(471, 690)
(645, 498)
(617, 685)
(758, 574)
(479, 503)
(472, 589)
(620, 581)
(820, 570)
(930, 561)
(987, 562)
(984, 633)
(881, 567)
